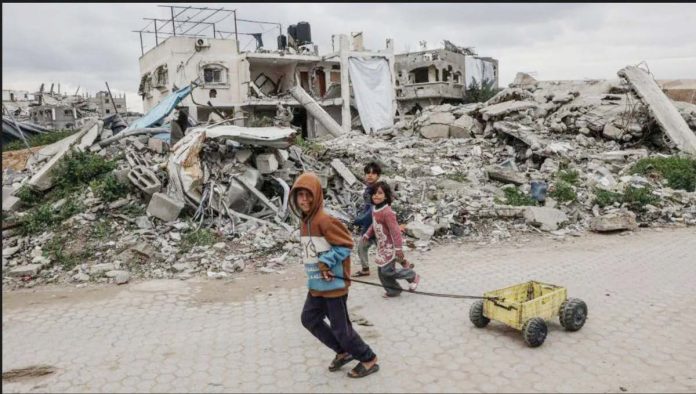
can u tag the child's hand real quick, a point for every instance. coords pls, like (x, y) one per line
(400, 256)
(328, 275)
(402, 227)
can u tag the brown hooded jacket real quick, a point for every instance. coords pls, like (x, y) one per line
(321, 227)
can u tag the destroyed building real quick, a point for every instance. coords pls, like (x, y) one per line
(439, 76)
(249, 85)
(101, 103)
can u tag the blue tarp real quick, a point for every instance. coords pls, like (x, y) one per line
(157, 114)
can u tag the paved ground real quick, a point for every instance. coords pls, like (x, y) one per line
(174, 336)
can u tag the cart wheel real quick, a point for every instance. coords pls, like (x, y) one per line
(534, 331)
(476, 315)
(572, 314)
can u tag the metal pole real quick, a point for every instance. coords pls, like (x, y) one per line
(142, 48)
(156, 38)
(114, 103)
(236, 37)
(213, 30)
(173, 25)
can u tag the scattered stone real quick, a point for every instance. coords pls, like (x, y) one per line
(164, 207)
(99, 269)
(420, 230)
(143, 222)
(548, 219)
(622, 220)
(26, 270)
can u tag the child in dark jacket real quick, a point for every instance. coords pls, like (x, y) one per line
(389, 243)
(364, 219)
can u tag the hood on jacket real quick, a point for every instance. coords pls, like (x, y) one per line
(310, 182)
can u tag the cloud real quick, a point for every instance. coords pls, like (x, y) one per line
(87, 44)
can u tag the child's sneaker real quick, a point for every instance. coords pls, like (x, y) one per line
(414, 285)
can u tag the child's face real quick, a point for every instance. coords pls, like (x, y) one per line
(371, 177)
(305, 200)
(378, 197)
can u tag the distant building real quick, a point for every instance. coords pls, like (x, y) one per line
(103, 105)
(437, 76)
(16, 95)
(55, 117)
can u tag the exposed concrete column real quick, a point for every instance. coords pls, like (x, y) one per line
(391, 58)
(317, 111)
(345, 83)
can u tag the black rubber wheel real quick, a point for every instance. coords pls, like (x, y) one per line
(573, 314)
(476, 315)
(534, 331)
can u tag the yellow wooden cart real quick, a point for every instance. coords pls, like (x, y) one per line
(527, 306)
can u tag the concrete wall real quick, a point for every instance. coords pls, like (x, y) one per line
(185, 64)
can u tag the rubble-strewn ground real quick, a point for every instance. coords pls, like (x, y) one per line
(552, 158)
(244, 335)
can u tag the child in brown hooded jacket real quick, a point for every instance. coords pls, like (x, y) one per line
(326, 245)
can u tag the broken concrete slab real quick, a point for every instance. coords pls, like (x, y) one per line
(43, 179)
(433, 131)
(316, 110)
(548, 219)
(621, 220)
(88, 139)
(440, 118)
(343, 171)
(243, 155)
(25, 270)
(506, 176)
(420, 230)
(10, 203)
(661, 108)
(98, 269)
(164, 207)
(266, 163)
(496, 111)
(465, 127)
(139, 146)
(157, 145)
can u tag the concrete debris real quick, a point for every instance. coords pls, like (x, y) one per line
(548, 219)
(164, 207)
(542, 157)
(622, 220)
(661, 108)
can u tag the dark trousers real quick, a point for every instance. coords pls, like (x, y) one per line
(339, 336)
(388, 274)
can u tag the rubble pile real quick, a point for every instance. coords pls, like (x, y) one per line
(538, 158)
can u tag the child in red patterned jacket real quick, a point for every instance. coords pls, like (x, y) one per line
(389, 243)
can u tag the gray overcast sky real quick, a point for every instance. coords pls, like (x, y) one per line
(87, 44)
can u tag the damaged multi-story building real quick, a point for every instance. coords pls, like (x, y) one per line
(438, 76)
(234, 83)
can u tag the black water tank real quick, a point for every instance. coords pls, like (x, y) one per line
(304, 33)
(282, 42)
(292, 31)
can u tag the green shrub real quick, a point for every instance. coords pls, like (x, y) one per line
(80, 168)
(680, 172)
(55, 250)
(29, 195)
(637, 198)
(563, 192)
(569, 176)
(202, 237)
(515, 197)
(109, 188)
(478, 93)
(605, 198)
(634, 198)
(43, 217)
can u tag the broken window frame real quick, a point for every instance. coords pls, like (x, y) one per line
(160, 77)
(213, 66)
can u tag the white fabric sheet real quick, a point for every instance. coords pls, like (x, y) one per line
(374, 93)
(478, 69)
